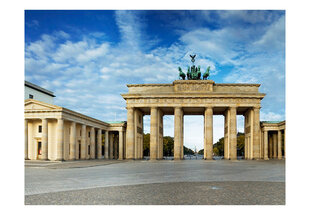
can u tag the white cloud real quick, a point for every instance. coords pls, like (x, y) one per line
(88, 75)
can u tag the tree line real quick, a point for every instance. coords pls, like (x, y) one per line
(218, 147)
(167, 147)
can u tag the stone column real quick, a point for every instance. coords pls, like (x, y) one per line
(111, 146)
(261, 142)
(279, 145)
(99, 144)
(160, 135)
(233, 133)
(154, 134)
(72, 141)
(92, 143)
(130, 134)
(83, 143)
(270, 145)
(178, 124)
(284, 146)
(106, 145)
(182, 136)
(120, 147)
(26, 138)
(208, 138)
(44, 154)
(256, 134)
(60, 139)
(266, 145)
(274, 141)
(226, 134)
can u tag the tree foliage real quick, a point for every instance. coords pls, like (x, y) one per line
(168, 145)
(218, 147)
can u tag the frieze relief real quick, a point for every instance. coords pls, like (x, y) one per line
(193, 101)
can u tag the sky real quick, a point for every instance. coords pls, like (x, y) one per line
(87, 57)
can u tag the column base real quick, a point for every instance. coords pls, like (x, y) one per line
(266, 159)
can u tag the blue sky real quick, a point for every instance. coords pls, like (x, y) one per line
(87, 57)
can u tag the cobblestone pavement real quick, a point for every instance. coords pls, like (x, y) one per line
(81, 176)
(179, 193)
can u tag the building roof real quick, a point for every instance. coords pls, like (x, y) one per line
(271, 122)
(38, 88)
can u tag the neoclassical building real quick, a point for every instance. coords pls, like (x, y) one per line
(56, 133)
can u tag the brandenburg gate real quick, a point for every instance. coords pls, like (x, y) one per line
(193, 97)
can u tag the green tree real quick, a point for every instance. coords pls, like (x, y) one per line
(146, 144)
(187, 151)
(168, 146)
(240, 144)
(218, 147)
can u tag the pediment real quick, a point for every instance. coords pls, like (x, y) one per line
(37, 105)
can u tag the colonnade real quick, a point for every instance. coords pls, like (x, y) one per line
(252, 133)
(274, 146)
(62, 139)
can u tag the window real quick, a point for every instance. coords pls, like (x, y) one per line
(88, 149)
(30, 96)
(40, 128)
(88, 134)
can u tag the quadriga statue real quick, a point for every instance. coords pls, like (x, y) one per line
(193, 72)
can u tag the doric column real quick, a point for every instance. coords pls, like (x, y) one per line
(182, 136)
(233, 133)
(208, 131)
(160, 135)
(266, 145)
(284, 146)
(120, 147)
(256, 133)
(178, 124)
(44, 139)
(83, 143)
(130, 134)
(106, 145)
(99, 144)
(270, 145)
(60, 139)
(26, 138)
(245, 147)
(111, 146)
(226, 134)
(154, 133)
(72, 144)
(279, 145)
(92, 143)
(275, 142)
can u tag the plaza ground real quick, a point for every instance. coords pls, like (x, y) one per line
(165, 182)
